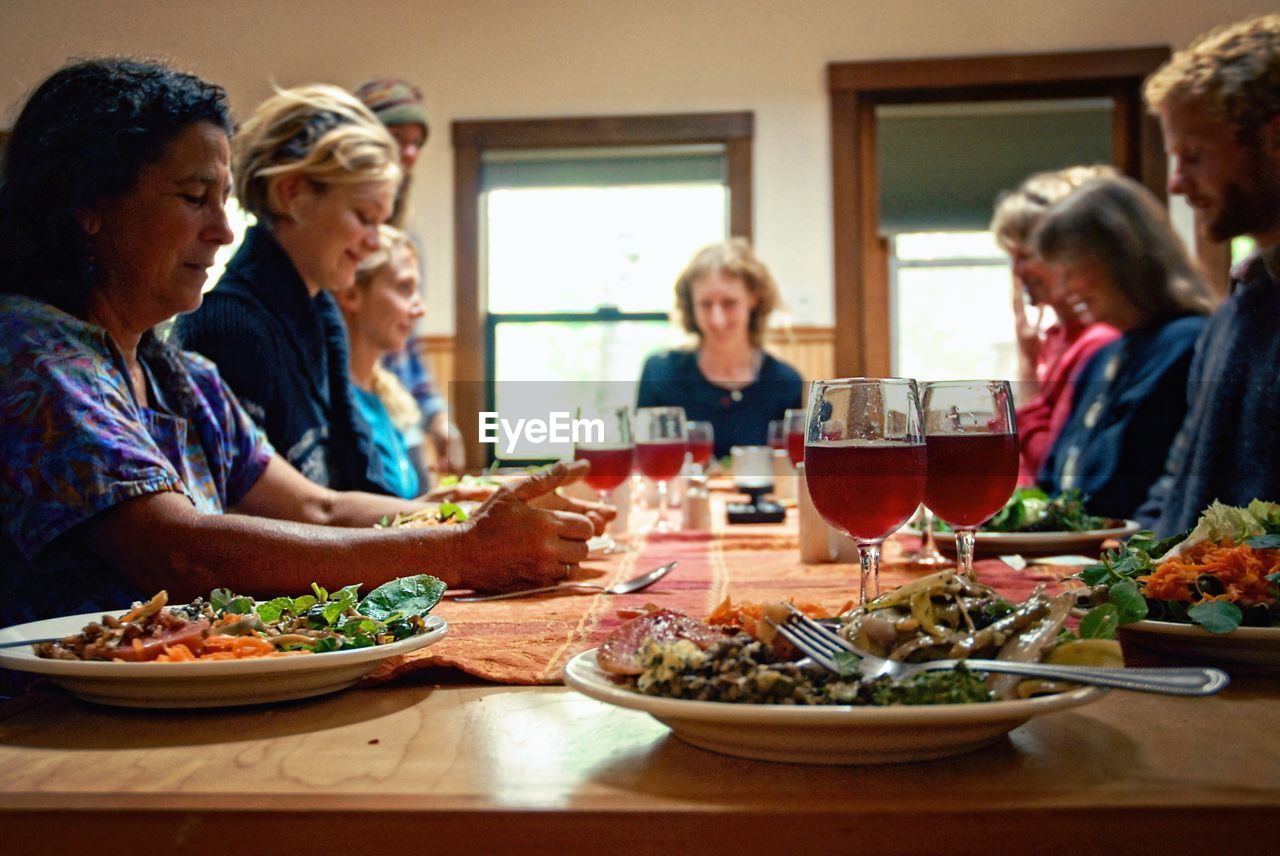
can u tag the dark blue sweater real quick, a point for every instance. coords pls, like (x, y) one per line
(1129, 402)
(1229, 446)
(738, 417)
(284, 353)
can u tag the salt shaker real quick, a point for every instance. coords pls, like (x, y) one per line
(697, 505)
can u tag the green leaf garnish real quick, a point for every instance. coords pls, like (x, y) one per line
(1216, 616)
(1100, 622)
(405, 596)
(1130, 605)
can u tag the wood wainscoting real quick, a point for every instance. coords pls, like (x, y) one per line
(810, 349)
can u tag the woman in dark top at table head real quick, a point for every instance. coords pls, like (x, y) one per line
(724, 297)
(1115, 258)
(320, 174)
(122, 455)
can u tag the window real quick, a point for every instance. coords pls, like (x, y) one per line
(569, 242)
(949, 310)
(579, 263)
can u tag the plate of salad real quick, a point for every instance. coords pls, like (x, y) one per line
(229, 649)
(1033, 523)
(1211, 595)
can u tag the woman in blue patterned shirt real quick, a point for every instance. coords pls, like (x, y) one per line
(122, 454)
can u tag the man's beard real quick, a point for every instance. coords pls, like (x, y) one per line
(1248, 211)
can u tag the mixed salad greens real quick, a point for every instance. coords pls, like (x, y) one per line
(1030, 509)
(230, 626)
(1222, 574)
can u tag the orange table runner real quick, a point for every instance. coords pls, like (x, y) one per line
(529, 640)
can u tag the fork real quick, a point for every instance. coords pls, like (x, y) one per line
(832, 651)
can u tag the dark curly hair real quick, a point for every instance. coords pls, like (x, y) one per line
(84, 135)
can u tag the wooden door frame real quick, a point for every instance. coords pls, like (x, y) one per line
(862, 341)
(471, 139)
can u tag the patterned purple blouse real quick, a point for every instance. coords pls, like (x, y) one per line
(76, 442)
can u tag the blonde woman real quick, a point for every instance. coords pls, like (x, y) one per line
(380, 309)
(724, 298)
(320, 173)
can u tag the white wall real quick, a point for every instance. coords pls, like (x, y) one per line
(506, 58)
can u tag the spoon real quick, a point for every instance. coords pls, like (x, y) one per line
(625, 587)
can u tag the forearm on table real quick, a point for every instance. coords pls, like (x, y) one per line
(355, 509)
(159, 545)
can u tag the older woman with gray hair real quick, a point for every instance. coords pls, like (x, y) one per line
(1116, 260)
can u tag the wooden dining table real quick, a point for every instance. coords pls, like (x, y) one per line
(437, 759)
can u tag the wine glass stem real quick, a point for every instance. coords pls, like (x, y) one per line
(930, 546)
(869, 583)
(964, 551)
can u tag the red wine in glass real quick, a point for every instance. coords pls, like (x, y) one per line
(661, 437)
(700, 452)
(608, 445)
(865, 461)
(972, 436)
(970, 475)
(661, 460)
(610, 466)
(795, 447)
(866, 489)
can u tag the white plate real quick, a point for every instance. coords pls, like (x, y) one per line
(217, 683)
(1035, 543)
(1254, 647)
(836, 734)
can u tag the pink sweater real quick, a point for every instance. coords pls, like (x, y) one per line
(1041, 418)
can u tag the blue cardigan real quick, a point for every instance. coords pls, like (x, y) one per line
(1129, 403)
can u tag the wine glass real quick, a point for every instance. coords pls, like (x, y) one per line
(864, 461)
(702, 442)
(661, 441)
(928, 556)
(793, 432)
(607, 444)
(776, 438)
(972, 437)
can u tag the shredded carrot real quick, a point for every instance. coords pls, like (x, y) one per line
(1241, 569)
(747, 615)
(226, 648)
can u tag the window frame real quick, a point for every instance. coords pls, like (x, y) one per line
(861, 254)
(473, 139)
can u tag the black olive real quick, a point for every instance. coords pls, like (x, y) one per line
(1257, 615)
(1209, 584)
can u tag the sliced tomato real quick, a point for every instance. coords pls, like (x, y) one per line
(190, 635)
(618, 652)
